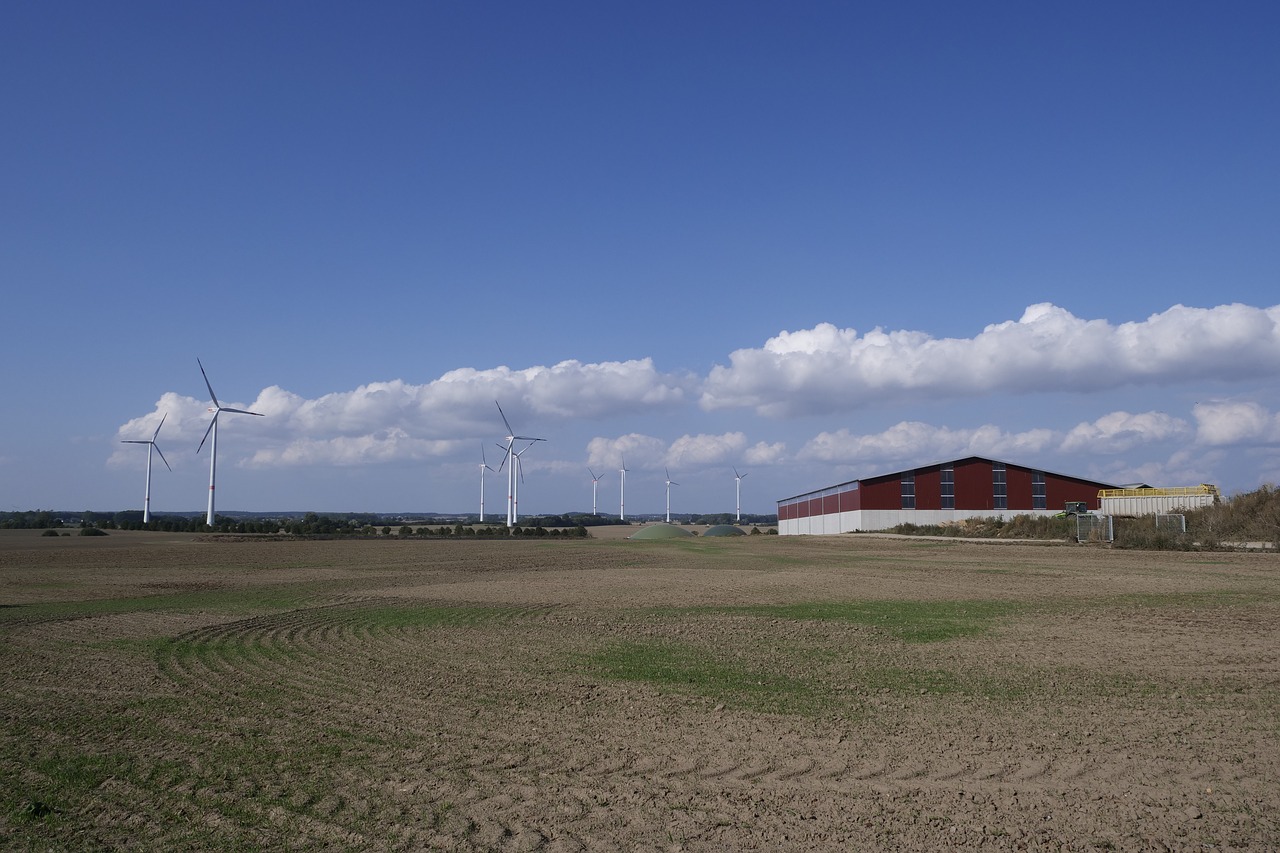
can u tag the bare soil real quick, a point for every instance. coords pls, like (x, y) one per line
(168, 691)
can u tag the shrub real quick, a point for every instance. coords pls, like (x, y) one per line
(50, 533)
(92, 531)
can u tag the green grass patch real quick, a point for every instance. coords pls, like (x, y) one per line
(909, 621)
(684, 669)
(230, 601)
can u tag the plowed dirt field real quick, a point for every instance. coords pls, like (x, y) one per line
(164, 692)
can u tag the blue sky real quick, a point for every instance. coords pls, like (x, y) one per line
(814, 243)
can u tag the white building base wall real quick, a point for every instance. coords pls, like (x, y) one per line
(884, 519)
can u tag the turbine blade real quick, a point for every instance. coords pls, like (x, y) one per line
(212, 396)
(240, 411)
(133, 441)
(162, 459)
(506, 453)
(157, 432)
(593, 474)
(510, 431)
(208, 430)
(527, 438)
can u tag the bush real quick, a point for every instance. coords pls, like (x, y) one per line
(92, 531)
(50, 533)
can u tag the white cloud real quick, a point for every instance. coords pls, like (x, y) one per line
(703, 449)
(1185, 467)
(912, 441)
(1224, 423)
(388, 445)
(638, 451)
(1119, 432)
(827, 369)
(764, 453)
(398, 421)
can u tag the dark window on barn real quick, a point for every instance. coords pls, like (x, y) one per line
(909, 490)
(948, 488)
(1038, 499)
(999, 489)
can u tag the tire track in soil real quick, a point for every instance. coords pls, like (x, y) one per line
(322, 652)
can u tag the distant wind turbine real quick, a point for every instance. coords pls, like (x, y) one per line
(737, 487)
(511, 472)
(594, 482)
(217, 409)
(622, 489)
(670, 483)
(484, 466)
(151, 445)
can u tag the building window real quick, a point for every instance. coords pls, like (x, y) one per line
(948, 488)
(909, 490)
(1038, 498)
(999, 489)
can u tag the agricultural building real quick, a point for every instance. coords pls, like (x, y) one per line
(972, 487)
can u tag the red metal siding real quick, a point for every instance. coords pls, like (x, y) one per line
(929, 488)
(882, 493)
(1059, 490)
(973, 484)
(851, 500)
(1018, 481)
(830, 504)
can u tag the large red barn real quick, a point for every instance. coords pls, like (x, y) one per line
(972, 487)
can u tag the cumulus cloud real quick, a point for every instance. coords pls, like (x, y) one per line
(388, 445)
(1184, 467)
(828, 369)
(1119, 432)
(636, 450)
(703, 449)
(765, 453)
(912, 441)
(1226, 423)
(397, 420)
(685, 452)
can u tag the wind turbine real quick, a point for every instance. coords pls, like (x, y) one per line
(217, 409)
(670, 483)
(594, 482)
(622, 489)
(737, 487)
(513, 510)
(511, 472)
(151, 445)
(484, 466)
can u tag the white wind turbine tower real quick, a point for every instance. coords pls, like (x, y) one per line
(151, 445)
(515, 495)
(670, 483)
(622, 489)
(484, 466)
(737, 487)
(513, 515)
(594, 482)
(511, 472)
(217, 409)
